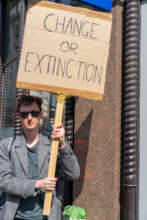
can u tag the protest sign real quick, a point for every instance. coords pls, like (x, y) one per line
(65, 50)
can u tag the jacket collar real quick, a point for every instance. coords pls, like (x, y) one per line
(43, 150)
(21, 150)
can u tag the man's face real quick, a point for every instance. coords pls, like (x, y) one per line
(30, 116)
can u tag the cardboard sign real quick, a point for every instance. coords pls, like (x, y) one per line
(103, 4)
(65, 50)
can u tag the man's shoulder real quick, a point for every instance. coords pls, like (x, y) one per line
(6, 140)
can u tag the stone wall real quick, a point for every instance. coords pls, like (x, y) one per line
(97, 139)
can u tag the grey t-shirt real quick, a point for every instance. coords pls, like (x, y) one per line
(31, 208)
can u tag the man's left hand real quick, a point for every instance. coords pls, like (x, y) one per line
(59, 133)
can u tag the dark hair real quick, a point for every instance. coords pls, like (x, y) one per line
(29, 100)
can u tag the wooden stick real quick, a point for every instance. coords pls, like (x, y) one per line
(54, 151)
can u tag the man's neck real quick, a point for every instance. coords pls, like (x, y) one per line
(31, 137)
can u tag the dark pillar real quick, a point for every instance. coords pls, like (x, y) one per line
(20, 92)
(1, 68)
(130, 109)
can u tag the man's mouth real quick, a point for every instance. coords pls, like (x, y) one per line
(30, 124)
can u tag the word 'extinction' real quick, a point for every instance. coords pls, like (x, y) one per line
(61, 67)
(72, 26)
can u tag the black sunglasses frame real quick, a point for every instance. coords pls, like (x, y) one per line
(33, 113)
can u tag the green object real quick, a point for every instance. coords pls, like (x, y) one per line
(74, 212)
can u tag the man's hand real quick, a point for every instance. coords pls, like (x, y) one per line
(59, 133)
(46, 184)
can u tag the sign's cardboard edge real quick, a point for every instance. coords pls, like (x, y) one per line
(61, 90)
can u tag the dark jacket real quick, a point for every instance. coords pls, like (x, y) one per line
(13, 174)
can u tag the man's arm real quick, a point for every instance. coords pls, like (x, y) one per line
(68, 164)
(8, 182)
(67, 161)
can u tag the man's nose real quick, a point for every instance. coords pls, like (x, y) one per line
(29, 116)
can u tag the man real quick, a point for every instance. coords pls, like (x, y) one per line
(23, 170)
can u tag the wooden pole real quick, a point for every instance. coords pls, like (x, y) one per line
(54, 151)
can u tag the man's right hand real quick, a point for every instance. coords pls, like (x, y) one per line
(46, 184)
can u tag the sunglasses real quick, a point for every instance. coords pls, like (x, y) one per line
(34, 114)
